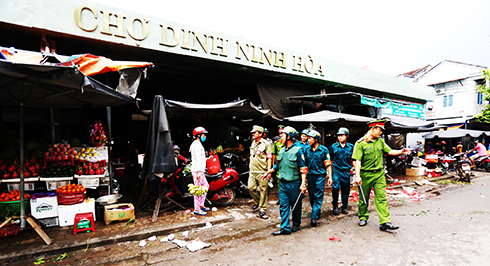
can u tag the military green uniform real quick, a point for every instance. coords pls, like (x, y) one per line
(370, 153)
(260, 153)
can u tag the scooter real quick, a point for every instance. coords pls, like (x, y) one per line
(220, 192)
(483, 162)
(463, 166)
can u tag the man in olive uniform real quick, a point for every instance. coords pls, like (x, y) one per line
(260, 163)
(368, 153)
(292, 175)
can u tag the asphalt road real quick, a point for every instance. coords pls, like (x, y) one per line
(450, 227)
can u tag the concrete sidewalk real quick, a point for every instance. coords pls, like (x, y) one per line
(28, 244)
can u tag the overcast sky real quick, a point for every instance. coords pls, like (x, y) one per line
(389, 36)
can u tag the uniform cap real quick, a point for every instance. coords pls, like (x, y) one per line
(291, 131)
(377, 123)
(343, 131)
(257, 128)
(315, 134)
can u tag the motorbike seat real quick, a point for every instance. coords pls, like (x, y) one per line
(218, 174)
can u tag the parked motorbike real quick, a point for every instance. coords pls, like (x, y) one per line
(398, 164)
(463, 166)
(221, 185)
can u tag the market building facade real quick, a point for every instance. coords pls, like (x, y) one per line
(196, 65)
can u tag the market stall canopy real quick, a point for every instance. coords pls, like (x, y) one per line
(328, 117)
(241, 110)
(40, 80)
(407, 122)
(456, 133)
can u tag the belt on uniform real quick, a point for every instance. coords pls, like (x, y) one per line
(372, 171)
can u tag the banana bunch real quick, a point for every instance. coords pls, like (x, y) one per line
(197, 190)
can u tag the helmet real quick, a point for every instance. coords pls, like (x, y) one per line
(290, 131)
(476, 141)
(343, 131)
(443, 142)
(315, 134)
(198, 130)
(305, 131)
(176, 147)
(266, 131)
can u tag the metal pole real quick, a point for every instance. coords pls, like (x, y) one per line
(51, 122)
(21, 135)
(109, 149)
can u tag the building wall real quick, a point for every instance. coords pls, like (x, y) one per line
(456, 101)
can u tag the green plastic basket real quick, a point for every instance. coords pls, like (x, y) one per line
(15, 205)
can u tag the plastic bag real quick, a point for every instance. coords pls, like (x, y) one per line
(213, 165)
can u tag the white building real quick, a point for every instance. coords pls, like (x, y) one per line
(457, 98)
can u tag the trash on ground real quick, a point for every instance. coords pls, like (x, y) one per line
(152, 238)
(214, 209)
(142, 243)
(196, 245)
(185, 234)
(208, 226)
(171, 237)
(193, 218)
(180, 243)
(427, 182)
(187, 211)
(164, 239)
(336, 239)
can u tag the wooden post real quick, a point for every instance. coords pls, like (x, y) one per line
(39, 231)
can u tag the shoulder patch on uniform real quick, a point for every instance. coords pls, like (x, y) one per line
(361, 139)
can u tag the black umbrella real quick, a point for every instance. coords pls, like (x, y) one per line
(159, 154)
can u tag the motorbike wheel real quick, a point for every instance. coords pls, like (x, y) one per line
(486, 166)
(462, 174)
(230, 191)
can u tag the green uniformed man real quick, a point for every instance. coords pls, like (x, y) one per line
(368, 155)
(260, 163)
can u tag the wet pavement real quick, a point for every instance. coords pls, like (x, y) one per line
(233, 225)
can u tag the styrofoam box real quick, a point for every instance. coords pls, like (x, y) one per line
(89, 182)
(44, 207)
(66, 213)
(49, 222)
(14, 186)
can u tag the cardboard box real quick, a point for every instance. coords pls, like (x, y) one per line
(420, 171)
(66, 213)
(44, 207)
(113, 213)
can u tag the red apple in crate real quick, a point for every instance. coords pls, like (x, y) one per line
(64, 157)
(61, 146)
(67, 146)
(52, 158)
(58, 158)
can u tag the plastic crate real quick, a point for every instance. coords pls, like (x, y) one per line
(15, 205)
(70, 199)
(10, 230)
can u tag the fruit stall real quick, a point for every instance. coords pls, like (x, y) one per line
(37, 80)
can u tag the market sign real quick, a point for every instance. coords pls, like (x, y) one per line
(116, 25)
(406, 109)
